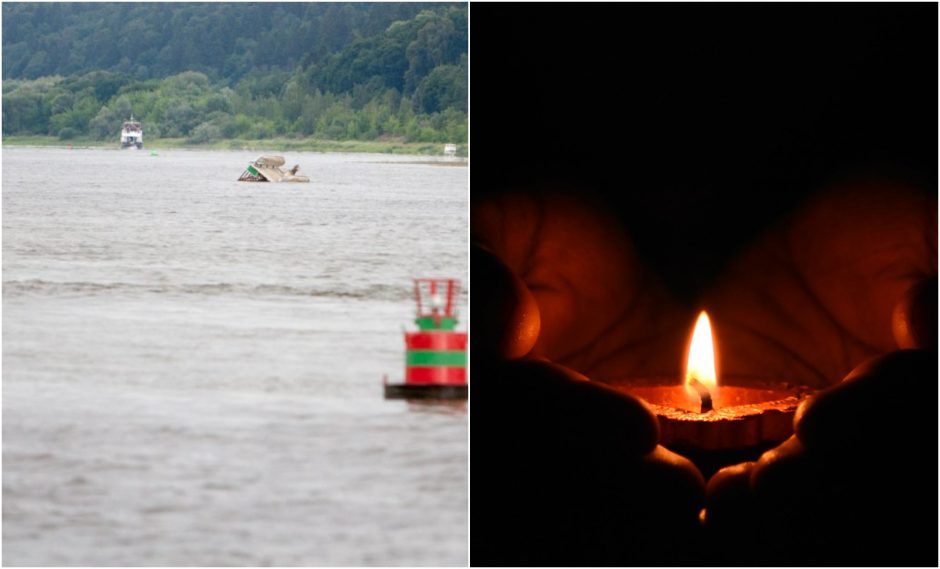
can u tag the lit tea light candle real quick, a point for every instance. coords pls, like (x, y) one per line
(699, 415)
(701, 377)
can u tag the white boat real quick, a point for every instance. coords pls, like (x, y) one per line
(267, 169)
(132, 136)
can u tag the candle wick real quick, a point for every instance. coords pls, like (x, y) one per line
(703, 393)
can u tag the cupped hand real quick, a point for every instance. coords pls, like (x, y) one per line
(846, 283)
(831, 286)
(569, 471)
(856, 483)
(850, 275)
(819, 293)
(601, 311)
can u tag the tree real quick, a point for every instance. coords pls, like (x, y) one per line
(204, 134)
(186, 68)
(105, 123)
(444, 87)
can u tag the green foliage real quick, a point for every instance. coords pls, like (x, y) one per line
(26, 107)
(205, 134)
(206, 72)
(444, 87)
(105, 123)
(155, 40)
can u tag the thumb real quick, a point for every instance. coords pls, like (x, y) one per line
(914, 320)
(504, 313)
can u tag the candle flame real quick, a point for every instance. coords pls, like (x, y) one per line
(701, 360)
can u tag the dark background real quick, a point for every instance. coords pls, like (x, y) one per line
(701, 123)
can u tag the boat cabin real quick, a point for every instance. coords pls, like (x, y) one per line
(132, 135)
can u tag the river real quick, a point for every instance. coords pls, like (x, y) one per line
(192, 366)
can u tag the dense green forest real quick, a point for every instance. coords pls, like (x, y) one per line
(210, 71)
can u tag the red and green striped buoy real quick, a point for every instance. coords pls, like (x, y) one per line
(436, 355)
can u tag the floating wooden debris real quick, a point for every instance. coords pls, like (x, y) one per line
(267, 169)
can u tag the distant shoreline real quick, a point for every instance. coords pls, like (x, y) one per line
(265, 145)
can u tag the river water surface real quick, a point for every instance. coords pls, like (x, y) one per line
(192, 366)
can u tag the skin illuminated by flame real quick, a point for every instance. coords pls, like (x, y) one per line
(701, 362)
